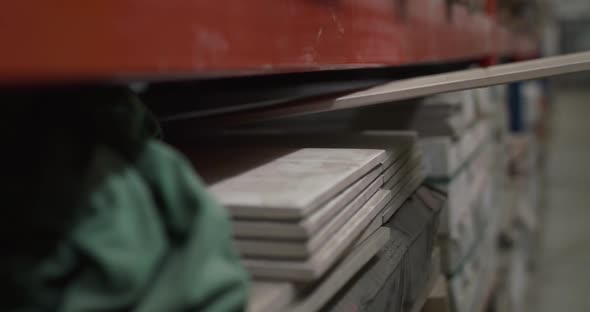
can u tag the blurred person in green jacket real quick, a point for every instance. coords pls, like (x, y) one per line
(99, 215)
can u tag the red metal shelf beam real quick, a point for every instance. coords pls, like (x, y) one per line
(68, 39)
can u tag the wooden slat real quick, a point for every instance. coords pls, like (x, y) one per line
(424, 86)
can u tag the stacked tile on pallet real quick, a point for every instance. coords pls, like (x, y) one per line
(307, 219)
(521, 216)
(459, 162)
(482, 265)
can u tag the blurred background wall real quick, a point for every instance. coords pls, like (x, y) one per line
(572, 18)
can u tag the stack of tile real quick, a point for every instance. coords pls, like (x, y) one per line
(449, 114)
(447, 125)
(460, 163)
(480, 269)
(521, 217)
(455, 142)
(456, 131)
(307, 219)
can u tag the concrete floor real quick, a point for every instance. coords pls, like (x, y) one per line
(562, 281)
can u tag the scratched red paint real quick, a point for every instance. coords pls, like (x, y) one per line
(72, 39)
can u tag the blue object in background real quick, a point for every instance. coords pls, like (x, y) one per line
(516, 108)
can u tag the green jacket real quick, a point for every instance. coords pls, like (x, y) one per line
(144, 235)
